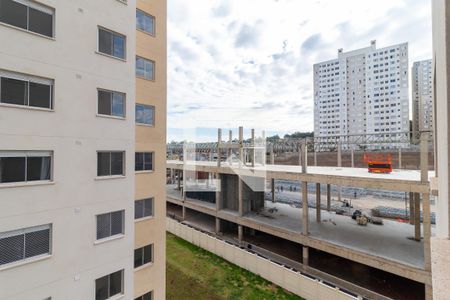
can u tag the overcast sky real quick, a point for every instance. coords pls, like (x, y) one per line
(249, 62)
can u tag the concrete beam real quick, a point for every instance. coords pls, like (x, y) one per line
(318, 208)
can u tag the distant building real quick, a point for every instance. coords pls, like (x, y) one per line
(364, 91)
(422, 95)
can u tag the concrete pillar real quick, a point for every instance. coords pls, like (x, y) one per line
(424, 157)
(241, 145)
(272, 186)
(305, 208)
(217, 225)
(299, 153)
(411, 208)
(399, 158)
(178, 180)
(426, 230)
(219, 205)
(352, 152)
(339, 154)
(318, 208)
(305, 256)
(253, 147)
(272, 156)
(240, 197)
(417, 216)
(328, 197)
(428, 292)
(219, 141)
(183, 214)
(315, 158)
(240, 233)
(304, 156)
(230, 141)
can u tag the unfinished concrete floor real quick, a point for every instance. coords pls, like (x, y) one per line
(389, 241)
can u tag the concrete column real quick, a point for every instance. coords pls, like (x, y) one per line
(300, 153)
(183, 215)
(424, 157)
(305, 256)
(304, 156)
(219, 146)
(272, 156)
(241, 145)
(352, 152)
(426, 230)
(178, 179)
(219, 205)
(305, 208)
(217, 225)
(315, 157)
(240, 197)
(240, 233)
(328, 197)
(411, 208)
(253, 147)
(230, 141)
(417, 216)
(339, 154)
(272, 186)
(399, 158)
(318, 208)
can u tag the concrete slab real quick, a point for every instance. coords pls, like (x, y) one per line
(389, 241)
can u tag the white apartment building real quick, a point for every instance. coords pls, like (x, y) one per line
(67, 149)
(364, 91)
(422, 95)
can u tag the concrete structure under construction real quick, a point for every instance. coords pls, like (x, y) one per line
(422, 95)
(228, 198)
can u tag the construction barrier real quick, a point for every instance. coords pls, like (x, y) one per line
(293, 281)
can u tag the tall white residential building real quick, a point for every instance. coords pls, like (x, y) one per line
(422, 95)
(364, 91)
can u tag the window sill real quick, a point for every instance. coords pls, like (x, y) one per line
(25, 184)
(25, 261)
(145, 125)
(110, 117)
(121, 295)
(26, 107)
(108, 239)
(110, 56)
(145, 32)
(144, 219)
(145, 172)
(143, 78)
(27, 31)
(147, 265)
(109, 177)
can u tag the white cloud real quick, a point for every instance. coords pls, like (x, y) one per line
(249, 63)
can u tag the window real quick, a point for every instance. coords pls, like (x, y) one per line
(144, 161)
(109, 285)
(143, 208)
(111, 43)
(110, 224)
(145, 68)
(24, 166)
(22, 244)
(143, 256)
(147, 296)
(111, 103)
(145, 114)
(25, 90)
(110, 163)
(145, 22)
(27, 15)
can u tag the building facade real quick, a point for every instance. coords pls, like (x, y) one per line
(422, 95)
(362, 92)
(75, 150)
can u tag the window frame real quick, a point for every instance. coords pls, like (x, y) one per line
(122, 285)
(144, 264)
(154, 69)
(153, 34)
(110, 236)
(110, 164)
(113, 33)
(152, 162)
(153, 108)
(111, 104)
(28, 79)
(141, 297)
(39, 7)
(144, 217)
(23, 231)
(27, 154)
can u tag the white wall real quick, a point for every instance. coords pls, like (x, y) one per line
(74, 133)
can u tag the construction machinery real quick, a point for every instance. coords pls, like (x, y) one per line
(378, 162)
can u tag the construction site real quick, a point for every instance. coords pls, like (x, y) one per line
(357, 213)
